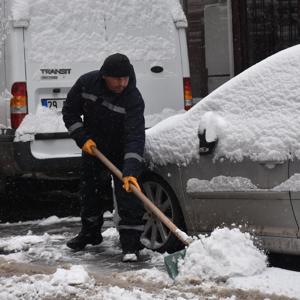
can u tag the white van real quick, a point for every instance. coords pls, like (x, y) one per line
(49, 44)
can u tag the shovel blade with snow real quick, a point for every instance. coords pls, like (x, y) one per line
(171, 261)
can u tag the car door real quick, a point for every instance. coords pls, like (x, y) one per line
(224, 192)
(294, 184)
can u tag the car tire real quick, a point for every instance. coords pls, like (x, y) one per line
(156, 235)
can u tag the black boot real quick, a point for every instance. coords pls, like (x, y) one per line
(84, 238)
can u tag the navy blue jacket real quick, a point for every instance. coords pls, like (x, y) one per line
(114, 121)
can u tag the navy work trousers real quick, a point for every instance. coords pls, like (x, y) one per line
(97, 197)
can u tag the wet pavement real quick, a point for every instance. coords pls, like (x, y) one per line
(51, 249)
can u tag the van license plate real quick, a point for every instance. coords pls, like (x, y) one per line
(56, 103)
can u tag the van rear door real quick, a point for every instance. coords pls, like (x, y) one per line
(151, 38)
(62, 42)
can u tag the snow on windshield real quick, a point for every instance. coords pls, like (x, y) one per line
(254, 115)
(88, 31)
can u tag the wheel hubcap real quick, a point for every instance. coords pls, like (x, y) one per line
(156, 234)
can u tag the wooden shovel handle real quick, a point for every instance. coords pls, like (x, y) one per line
(147, 202)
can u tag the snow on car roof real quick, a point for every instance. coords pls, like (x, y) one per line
(256, 115)
(88, 31)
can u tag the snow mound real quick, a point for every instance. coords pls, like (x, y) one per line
(22, 243)
(292, 184)
(225, 253)
(75, 276)
(44, 121)
(220, 183)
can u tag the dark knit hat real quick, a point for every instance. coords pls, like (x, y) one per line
(116, 65)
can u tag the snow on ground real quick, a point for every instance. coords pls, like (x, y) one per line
(224, 265)
(43, 222)
(253, 115)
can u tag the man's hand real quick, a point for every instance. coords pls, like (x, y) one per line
(130, 180)
(88, 147)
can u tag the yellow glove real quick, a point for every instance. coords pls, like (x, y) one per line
(130, 180)
(88, 147)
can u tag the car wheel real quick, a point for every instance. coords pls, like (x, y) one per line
(156, 235)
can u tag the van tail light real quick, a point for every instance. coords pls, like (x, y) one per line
(18, 104)
(187, 90)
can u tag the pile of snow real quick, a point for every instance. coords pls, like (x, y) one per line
(22, 243)
(76, 275)
(142, 30)
(63, 283)
(254, 115)
(225, 253)
(292, 184)
(44, 121)
(227, 183)
(220, 183)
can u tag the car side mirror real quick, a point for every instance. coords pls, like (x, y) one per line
(206, 147)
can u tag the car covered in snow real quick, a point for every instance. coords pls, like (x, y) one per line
(232, 160)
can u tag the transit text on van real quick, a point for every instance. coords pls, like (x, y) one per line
(56, 71)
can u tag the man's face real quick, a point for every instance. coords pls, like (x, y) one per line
(116, 84)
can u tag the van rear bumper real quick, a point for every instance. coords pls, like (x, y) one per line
(16, 158)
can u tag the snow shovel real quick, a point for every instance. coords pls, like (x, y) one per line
(171, 261)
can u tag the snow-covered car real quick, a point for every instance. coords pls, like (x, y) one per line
(232, 160)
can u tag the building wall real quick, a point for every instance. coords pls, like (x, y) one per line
(227, 36)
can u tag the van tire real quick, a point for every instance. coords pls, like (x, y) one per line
(166, 200)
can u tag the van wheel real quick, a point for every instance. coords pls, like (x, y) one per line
(156, 235)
